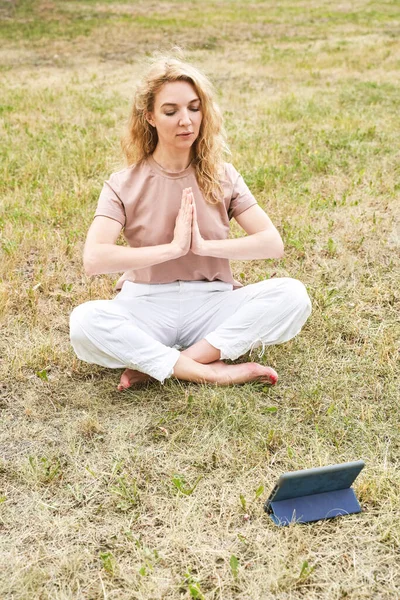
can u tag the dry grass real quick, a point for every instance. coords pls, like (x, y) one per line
(139, 495)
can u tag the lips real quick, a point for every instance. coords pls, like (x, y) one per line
(185, 134)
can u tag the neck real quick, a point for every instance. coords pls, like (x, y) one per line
(172, 163)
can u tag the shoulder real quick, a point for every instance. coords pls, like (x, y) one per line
(125, 177)
(230, 176)
(230, 173)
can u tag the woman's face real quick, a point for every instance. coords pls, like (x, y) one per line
(177, 111)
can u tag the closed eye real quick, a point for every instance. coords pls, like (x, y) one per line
(172, 113)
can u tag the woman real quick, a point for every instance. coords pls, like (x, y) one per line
(180, 312)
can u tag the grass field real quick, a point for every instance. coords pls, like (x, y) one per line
(158, 492)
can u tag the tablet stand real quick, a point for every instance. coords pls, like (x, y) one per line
(304, 509)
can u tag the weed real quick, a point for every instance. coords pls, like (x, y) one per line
(108, 562)
(45, 470)
(179, 482)
(127, 492)
(234, 565)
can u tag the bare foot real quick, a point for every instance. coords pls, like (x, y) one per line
(129, 377)
(217, 372)
(230, 374)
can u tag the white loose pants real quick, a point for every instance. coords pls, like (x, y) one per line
(145, 325)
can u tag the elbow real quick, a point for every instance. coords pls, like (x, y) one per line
(276, 248)
(89, 270)
(89, 264)
(280, 250)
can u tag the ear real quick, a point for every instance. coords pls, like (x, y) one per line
(149, 119)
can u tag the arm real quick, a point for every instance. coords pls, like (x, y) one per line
(102, 255)
(262, 240)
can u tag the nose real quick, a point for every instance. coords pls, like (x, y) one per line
(185, 118)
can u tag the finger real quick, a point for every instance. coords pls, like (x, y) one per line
(193, 210)
(188, 200)
(185, 210)
(188, 205)
(188, 211)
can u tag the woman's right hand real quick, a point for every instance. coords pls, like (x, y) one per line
(183, 224)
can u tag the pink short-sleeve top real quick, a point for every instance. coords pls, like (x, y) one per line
(146, 199)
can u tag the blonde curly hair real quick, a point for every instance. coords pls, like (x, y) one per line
(140, 139)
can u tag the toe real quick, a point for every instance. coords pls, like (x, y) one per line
(272, 376)
(124, 382)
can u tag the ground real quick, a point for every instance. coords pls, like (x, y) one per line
(158, 492)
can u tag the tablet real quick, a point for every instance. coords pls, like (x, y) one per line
(314, 492)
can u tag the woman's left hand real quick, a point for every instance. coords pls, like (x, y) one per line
(197, 245)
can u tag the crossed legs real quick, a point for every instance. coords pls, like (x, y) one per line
(215, 325)
(200, 363)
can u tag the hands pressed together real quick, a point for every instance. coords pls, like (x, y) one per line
(186, 233)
